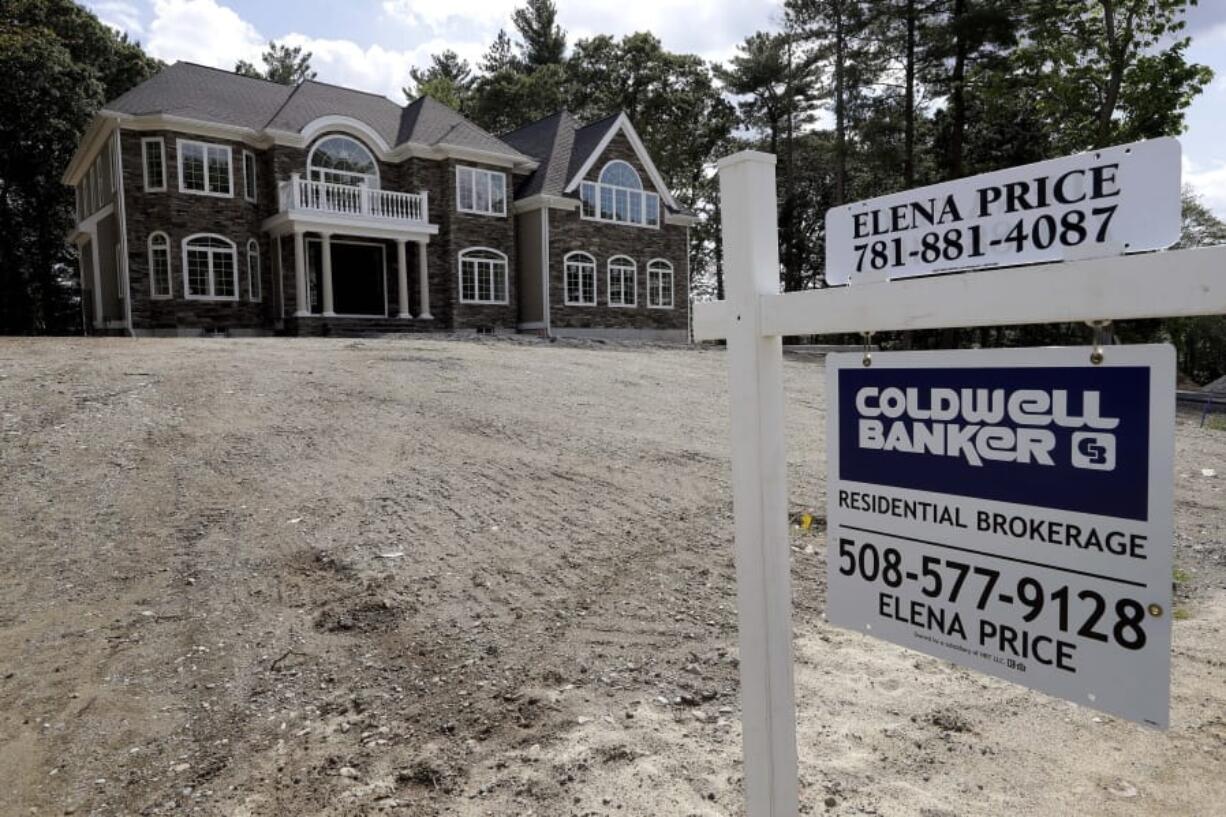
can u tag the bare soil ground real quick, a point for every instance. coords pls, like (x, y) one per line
(432, 577)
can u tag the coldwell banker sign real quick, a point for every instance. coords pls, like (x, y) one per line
(1010, 511)
(1106, 202)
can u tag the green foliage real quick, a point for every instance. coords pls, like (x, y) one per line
(542, 41)
(449, 79)
(282, 64)
(60, 65)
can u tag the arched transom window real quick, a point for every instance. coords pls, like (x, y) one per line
(623, 290)
(580, 279)
(621, 174)
(483, 276)
(159, 265)
(342, 160)
(659, 284)
(618, 195)
(210, 268)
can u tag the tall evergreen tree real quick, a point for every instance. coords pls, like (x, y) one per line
(448, 79)
(542, 40)
(282, 64)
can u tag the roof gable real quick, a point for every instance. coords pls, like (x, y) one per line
(599, 135)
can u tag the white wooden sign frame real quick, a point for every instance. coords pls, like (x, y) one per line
(755, 317)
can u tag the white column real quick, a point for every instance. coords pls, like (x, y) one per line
(759, 486)
(402, 279)
(99, 318)
(326, 251)
(300, 277)
(424, 281)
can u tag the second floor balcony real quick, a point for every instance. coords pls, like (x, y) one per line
(346, 202)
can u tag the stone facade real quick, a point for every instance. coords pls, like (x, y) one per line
(180, 215)
(570, 232)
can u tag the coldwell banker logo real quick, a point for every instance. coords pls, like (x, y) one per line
(986, 424)
(1073, 438)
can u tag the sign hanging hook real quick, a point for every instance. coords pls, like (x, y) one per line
(1102, 335)
(868, 348)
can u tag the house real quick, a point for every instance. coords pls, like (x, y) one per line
(209, 202)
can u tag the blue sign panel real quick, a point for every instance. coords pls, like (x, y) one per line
(1065, 438)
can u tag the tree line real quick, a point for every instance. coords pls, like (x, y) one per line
(858, 98)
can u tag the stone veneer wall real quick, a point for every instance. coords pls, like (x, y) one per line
(181, 215)
(569, 232)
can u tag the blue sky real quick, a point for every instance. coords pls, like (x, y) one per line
(372, 44)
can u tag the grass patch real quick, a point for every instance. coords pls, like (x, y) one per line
(1181, 576)
(1216, 422)
(1181, 614)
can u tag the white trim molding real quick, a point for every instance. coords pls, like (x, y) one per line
(212, 251)
(579, 258)
(207, 191)
(144, 161)
(623, 125)
(163, 246)
(661, 266)
(631, 265)
(543, 201)
(500, 259)
(478, 173)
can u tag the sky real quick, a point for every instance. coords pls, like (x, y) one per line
(372, 44)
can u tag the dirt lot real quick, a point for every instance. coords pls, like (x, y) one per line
(432, 577)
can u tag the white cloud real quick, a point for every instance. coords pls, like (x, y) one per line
(1209, 182)
(482, 14)
(119, 15)
(202, 31)
(377, 69)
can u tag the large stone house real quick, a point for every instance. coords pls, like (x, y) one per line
(208, 202)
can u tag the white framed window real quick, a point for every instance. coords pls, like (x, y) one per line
(580, 271)
(483, 276)
(481, 191)
(250, 191)
(205, 169)
(255, 284)
(618, 196)
(210, 268)
(153, 154)
(159, 265)
(623, 288)
(659, 284)
(343, 160)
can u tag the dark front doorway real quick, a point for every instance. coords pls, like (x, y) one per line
(359, 277)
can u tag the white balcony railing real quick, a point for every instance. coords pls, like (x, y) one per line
(300, 194)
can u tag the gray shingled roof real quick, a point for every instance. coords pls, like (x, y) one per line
(550, 141)
(213, 95)
(561, 146)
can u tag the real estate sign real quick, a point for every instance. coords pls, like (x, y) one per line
(1010, 511)
(1105, 202)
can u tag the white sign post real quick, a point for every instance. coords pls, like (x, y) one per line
(754, 319)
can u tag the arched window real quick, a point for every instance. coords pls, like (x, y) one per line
(619, 196)
(255, 285)
(620, 174)
(483, 276)
(623, 290)
(210, 268)
(159, 265)
(659, 284)
(580, 279)
(342, 160)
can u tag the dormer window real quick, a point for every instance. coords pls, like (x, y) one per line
(619, 197)
(343, 160)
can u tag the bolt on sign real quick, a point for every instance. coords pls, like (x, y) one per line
(1106, 202)
(1010, 511)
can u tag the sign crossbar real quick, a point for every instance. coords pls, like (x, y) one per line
(1170, 284)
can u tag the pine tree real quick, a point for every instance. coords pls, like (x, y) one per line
(282, 64)
(542, 40)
